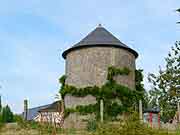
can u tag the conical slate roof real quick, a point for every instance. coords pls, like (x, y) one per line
(99, 37)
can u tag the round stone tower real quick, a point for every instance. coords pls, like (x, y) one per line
(87, 64)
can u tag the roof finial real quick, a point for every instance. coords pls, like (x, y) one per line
(99, 25)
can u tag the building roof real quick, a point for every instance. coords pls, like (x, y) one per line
(152, 110)
(33, 112)
(54, 107)
(100, 37)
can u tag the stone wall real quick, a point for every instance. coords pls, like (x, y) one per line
(88, 66)
(72, 102)
(74, 120)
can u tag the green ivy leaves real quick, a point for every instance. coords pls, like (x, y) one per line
(113, 71)
(108, 92)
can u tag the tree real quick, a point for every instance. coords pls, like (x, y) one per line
(0, 104)
(7, 115)
(165, 89)
(140, 87)
(0, 110)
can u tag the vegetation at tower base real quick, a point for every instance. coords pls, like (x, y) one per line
(166, 84)
(129, 126)
(117, 98)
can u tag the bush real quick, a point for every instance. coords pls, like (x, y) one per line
(17, 118)
(134, 128)
(42, 128)
(91, 125)
(130, 126)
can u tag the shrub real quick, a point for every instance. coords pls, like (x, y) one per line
(130, 126)
(17, 118)
(42, 128)
(91, 125)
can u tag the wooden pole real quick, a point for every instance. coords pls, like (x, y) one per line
(101, 110)
(140, 111)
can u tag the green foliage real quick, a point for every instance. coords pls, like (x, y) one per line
(19, 119)
(178, 130)
(113, 71)
(25, 124)
(139, 80)
(42, 128)
(91, 125)
(62, 80)
(6, 115)
(140, 87)
(0, 104)
(108, 92)
(79, 92)
(165, 84)
(113, 110)
(1, 126)
(83, 110)
(130, 126)
(126, 97)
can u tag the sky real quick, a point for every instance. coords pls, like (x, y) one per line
(34, 33)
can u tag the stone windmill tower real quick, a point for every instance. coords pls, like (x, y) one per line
(87, 63)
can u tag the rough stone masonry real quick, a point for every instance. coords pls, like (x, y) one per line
(87, 64)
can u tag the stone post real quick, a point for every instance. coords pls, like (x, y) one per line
(101, 110)
(178, 107)
(25, 109)
(140, 110)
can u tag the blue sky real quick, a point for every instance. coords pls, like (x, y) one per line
(34, 33)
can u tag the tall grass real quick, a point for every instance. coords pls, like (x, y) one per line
(130, 126)
(1, 125)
